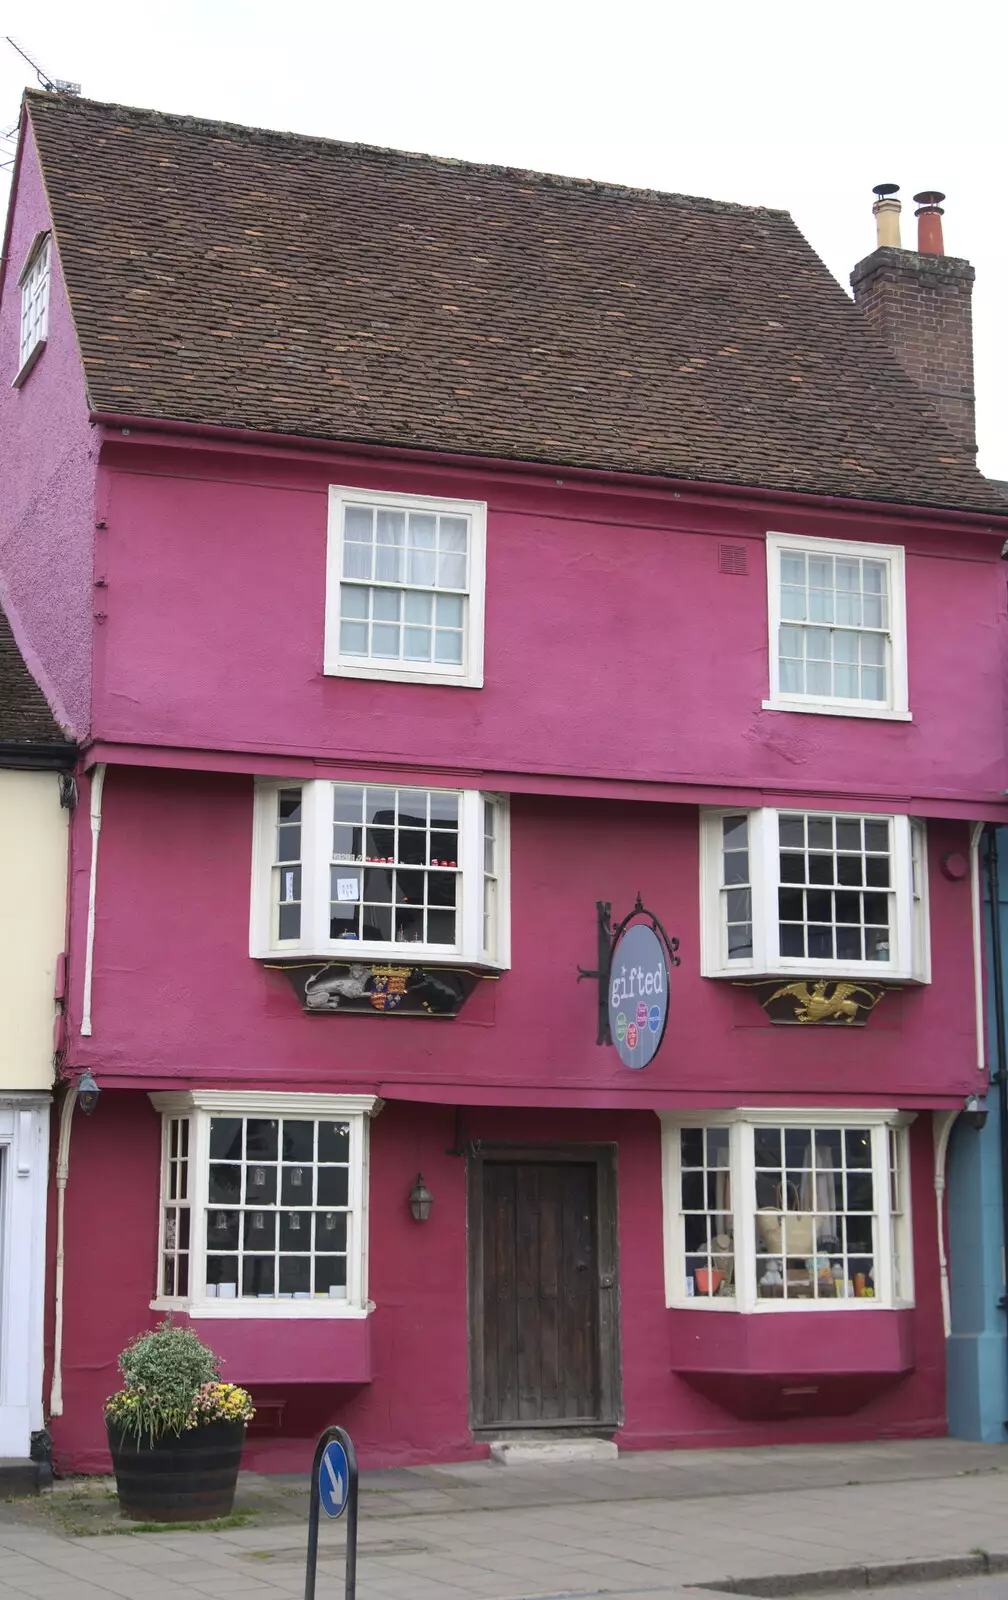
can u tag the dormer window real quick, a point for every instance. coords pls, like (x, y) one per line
(34, 281)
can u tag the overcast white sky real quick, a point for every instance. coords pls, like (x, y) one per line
(801, 105)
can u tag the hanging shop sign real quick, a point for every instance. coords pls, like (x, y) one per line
(638, 995)
(633, 978)
(384, 988)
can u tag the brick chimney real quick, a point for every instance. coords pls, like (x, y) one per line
(920, 302)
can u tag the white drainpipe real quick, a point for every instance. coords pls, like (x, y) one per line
(976, 834)
(62, 1173)
(97, 785)
(70, 1099)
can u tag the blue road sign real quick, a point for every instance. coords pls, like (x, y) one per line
(334, 1479)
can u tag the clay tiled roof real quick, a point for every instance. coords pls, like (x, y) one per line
(25, 717)
(228, 275)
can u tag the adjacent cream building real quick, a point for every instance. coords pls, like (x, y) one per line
(36, 789)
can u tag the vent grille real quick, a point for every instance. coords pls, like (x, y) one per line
(733, 558)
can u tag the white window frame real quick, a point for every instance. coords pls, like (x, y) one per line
(893, 1234)
(910, 931)
(34, 281)
(896, 707)
(469, 674)
(199, 1105)
(316, 854)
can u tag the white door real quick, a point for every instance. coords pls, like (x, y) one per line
(24, 1150)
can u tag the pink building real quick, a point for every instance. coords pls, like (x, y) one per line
(422, 553)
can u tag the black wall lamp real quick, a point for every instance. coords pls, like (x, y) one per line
(974, 1112)
(87, 1091)
(421, 1201)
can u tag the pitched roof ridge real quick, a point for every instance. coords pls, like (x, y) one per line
(198, 124)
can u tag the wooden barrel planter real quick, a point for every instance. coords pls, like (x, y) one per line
(186, 1477)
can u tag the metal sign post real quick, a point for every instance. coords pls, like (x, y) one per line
(333, 1490)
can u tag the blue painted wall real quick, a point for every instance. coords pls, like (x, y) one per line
(977, 1350)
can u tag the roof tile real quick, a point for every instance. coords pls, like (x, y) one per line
(234, 261)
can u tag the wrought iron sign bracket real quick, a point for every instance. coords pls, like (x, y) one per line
(608, 938)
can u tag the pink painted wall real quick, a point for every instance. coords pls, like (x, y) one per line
(655, 662)
(176, 996)
(416, 1407)
(48, 467)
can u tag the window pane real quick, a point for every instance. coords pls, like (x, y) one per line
(449, 610)
(353, 601)
(384, 640)
(418, 608)
(353, 638)
(707, 1217)
(451, 572)
(359, 524)
(453, 533)
(422, 567)
(334, 1141)
(358, 561)
(225, 1138)
(422, 530)
(417, 644)
(386, 605)
(735, 833)
(448, 648)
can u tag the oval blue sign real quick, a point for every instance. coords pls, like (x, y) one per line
(638, 996)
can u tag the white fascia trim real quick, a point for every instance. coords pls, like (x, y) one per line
(467, 676)
(266, 1103)
(898, 707)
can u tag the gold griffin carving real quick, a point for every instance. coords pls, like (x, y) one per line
(813, 1004)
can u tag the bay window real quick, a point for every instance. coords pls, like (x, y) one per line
(771, 1210)
(264, 1203)
(357, 871)
(829, 893)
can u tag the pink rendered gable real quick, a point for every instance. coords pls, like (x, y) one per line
(47, 469)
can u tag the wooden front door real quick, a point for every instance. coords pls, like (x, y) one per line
(540, 1290)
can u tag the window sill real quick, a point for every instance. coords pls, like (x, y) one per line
(348, 951)
(27, 365)
(833, 708)
(768, 1307)
(399, 674)
(813, 970)
(265, 1310)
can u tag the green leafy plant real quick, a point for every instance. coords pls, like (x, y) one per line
(172, 1383)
